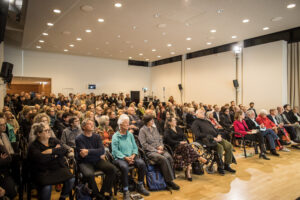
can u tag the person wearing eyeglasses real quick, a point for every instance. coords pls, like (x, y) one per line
(47, 163)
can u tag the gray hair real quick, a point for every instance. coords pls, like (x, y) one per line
(38, 127)
(263, 112)
(249, 112)
(209, 113)
(122, 118)
(103, 119)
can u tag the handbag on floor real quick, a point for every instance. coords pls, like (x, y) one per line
(155, 180)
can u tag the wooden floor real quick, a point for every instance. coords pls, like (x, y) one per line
(256, 179)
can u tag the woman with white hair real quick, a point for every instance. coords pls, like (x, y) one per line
(125, 151)
(105, 131)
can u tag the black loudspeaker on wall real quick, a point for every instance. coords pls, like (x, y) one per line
(180, 86)
(235, 83)
(6, 72)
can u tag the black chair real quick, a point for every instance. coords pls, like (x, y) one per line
(244, 142)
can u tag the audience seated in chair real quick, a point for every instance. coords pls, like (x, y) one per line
(125, 153)
(153, 146)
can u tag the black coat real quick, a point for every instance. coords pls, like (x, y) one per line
(173, 138)
(225, 121)
(204, 131)
(251, 125)
(48, 169)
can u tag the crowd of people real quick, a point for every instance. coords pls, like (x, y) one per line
(86, 126)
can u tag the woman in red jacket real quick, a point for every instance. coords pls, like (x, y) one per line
(241, 127)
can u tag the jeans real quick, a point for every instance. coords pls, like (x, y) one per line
(123, 165)
(271, 137)
(45, 191)
(110, 171)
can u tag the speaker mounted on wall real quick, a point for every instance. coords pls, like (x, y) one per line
(235, 83)
(6, 72)
(180, 86)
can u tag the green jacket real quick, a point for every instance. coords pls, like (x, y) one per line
(10, 132)
(123, 145)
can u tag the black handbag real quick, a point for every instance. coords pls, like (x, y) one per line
(197, 168)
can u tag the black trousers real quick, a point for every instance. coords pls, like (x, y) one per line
(8, 184)
(110, 171)
(258, 137)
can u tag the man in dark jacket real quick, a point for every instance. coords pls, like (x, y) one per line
(90, 156)
(61, 124)
(206, 134)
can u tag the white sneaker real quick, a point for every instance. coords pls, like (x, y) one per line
(285, 149)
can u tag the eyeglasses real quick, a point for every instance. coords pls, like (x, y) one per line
(3, 124)
(46, 130)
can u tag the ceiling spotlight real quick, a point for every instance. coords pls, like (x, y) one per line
(158, 56)
(153, 50)
(147, 59)
(237, 49)
(107, 43)
(219, 11)
(276, 19)
(140, 54)
(57, 11)
(71, 45)
(50, 24)
(41, 41)
(266, 28)
(213, 31)
(208, 43)
(145, 41)
(130, 57)
(188, 38)
(118, 5)
(134, 27)
(292, 5)
(88, 30)
(172, 53)
(169, 45)
(100, 20)
(234, 36)
(45, 34)
(78, 39)
(164, 33)
(118, 36)
(246, 20)
(66, 50)
(188, 49)
(38, 47)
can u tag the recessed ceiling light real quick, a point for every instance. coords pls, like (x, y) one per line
(188, 49)
(162, 25)
(153, 50)
(188, 38)
(187, 24)
(156, 15)
(147, 59)
(88, 30)
(118, 36)
(234, 36)
(172, 53)
(41, 41)
(158, 56)
(140, 54)
(169, 45)
(100, 20)
(292, 5)
(71, 45)
(130, 57)
(50, 24)
(78, 39)
(213, 31)
(219, 11)
(246, 20)
(38, 47)
(266, 28)
(208, 43)
(45, 34)
(145, 41)
(134, 27)
(57, 11)
(86, 8)
(118, 5)
(164, 33)
(276, 19)
(66, 50)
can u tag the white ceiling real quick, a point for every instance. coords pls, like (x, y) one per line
(157, 23)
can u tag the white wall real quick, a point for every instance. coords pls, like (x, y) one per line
(73, 73)
(265, 75)
(168, 77)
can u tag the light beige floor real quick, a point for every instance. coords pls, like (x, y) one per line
(256, 179)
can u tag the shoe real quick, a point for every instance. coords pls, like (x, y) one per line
(141, 189)
(263, 156)
(273, 152)
(173, 185)
(126, 195)
(221, 171)
(229, 169)
(284, 149)
(188, 178)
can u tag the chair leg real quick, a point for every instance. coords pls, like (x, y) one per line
(244, 146)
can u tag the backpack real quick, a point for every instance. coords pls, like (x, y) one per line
(82, 192)
(155, 180)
